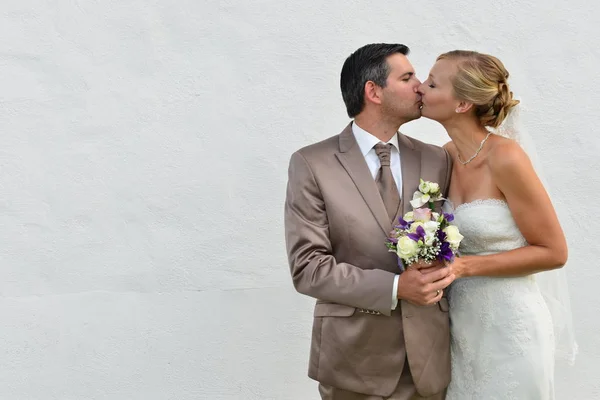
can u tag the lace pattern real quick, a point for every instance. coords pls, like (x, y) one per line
(502, 337)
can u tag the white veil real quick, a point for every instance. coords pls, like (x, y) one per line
(553, 284)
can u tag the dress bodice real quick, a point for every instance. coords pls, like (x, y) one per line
(487, 226)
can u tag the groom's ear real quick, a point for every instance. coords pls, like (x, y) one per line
(373, 92)
(463, 107)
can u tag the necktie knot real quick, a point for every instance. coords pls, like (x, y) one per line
(383, 151)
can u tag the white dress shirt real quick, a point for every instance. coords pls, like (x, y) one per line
(366, 143)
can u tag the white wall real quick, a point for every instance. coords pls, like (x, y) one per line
(143, 157)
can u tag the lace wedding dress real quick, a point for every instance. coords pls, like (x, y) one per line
(502, 338)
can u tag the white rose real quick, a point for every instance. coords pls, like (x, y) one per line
(431, 227)
(453, 236)
(434, 187)
(424, 187)
(429, 238)
(407, 248)
(409, 216)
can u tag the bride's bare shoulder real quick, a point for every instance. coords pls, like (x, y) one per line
(506, 155)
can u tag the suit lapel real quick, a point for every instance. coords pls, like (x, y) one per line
(410, 160)
(355, 165)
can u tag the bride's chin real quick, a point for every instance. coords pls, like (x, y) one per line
(424, 113)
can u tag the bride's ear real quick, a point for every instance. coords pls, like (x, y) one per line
(463, 107)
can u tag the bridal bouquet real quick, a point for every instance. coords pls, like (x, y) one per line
(422, 234)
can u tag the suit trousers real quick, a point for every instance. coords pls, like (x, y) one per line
(404, 391)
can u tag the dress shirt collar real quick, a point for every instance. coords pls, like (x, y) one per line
(366, 141)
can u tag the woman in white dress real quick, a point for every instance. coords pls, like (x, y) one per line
(503, 340)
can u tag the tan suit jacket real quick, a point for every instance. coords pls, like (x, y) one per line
(335, 227)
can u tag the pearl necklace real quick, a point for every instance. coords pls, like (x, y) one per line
(477, 152)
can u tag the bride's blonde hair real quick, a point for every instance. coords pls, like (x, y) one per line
(483, 81)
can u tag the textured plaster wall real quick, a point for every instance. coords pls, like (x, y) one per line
(144, 148)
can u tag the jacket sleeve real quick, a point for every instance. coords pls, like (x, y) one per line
(315, 272)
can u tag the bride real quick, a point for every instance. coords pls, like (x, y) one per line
(507, 322)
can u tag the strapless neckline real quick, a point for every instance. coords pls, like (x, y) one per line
(474, 203)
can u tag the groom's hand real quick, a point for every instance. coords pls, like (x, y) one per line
(420, 284)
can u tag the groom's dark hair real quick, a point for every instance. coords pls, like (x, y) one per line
(366, 64)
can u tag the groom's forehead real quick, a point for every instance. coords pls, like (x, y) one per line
(400, 64)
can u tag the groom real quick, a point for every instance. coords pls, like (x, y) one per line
(377, 333)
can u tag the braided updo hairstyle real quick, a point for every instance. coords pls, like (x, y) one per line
(482, 80)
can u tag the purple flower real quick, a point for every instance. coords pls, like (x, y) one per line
(449, 217)
(402, 224)
(393, 240)
(441, 235)
(446, 253)
(418, 235)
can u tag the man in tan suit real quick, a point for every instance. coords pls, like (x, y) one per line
(378, 332)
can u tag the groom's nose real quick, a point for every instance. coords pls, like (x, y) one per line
(417, 85)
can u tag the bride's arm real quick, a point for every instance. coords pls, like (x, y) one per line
(534, 214)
